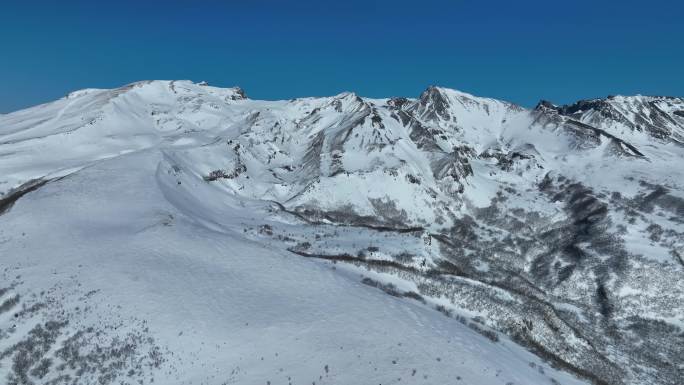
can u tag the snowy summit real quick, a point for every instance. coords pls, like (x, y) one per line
(173, 232)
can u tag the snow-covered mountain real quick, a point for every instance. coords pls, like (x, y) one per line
(176, 232)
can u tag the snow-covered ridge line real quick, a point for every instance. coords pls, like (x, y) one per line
(557, 228)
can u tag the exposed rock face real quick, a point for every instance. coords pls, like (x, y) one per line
(560, 227)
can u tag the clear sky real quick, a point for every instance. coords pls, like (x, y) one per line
(519, 51)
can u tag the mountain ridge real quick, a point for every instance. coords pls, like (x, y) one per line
(557, 228)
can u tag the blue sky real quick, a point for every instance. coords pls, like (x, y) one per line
(520, 51)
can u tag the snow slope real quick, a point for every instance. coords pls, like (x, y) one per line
(184, 233)
(215, 307)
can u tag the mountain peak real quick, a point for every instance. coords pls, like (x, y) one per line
(545, 105)
(434, 102)
(628, 116)
(481, 209)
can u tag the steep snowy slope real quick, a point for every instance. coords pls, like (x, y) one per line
(195, 233)
(637, 117)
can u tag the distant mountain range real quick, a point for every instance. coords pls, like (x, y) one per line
(557, 230)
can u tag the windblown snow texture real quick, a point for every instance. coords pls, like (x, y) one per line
(178, 233)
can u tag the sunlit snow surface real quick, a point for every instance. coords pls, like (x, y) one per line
(169, 242)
